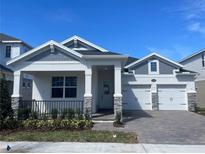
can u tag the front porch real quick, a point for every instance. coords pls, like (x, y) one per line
(91, 91)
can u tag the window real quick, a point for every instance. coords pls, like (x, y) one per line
(203, 62)
(8, 51)
(153, 67)
(57, 87)
(70, 87)
(64, 87)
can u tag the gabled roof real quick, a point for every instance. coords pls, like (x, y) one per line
(4, 38)
(131, 60)
(95, 52)
(6, 69)
(193, 55)
(51, 42)
(84, 41)
(151, 55)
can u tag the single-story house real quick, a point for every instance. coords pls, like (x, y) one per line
(90, 77)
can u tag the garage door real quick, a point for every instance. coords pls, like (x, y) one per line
(172, 97)
(136, 97)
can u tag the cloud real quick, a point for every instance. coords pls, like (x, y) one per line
(196, 27)
(175, 52)
(60, 15)
(193, 13)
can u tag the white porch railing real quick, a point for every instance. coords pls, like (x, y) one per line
(45, 107)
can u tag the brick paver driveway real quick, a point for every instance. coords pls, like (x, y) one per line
(174, 127)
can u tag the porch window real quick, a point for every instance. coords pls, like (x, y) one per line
(70, 87)
(64, 87)
(57, 87)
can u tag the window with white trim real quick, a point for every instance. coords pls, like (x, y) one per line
(8, 52)
(64, 87)
(154, 67)
(70, 87)
(57, 87)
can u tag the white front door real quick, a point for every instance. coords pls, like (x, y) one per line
(172, 97)
(106, 95)
(137, 97)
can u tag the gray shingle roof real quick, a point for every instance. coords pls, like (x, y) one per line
(95, 52)
(131, 60)
(3, 68)
(4, 37)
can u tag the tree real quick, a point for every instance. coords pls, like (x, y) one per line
(5, 101)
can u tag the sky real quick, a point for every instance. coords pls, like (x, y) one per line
(172, 28)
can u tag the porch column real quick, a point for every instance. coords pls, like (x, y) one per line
(87, 108)
(117, 91)
(16, 96)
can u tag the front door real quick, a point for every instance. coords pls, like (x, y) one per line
(106, 101)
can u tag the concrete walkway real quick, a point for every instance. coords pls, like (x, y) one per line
(61, 147)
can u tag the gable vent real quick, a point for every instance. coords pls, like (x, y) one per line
(52, 48)
(75, 43)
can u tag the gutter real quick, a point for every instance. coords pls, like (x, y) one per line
(104, 57)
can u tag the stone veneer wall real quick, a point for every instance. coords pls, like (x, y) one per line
(87, 108)
(191, 102)
(15, 101)
(118, 106)
(155, 102)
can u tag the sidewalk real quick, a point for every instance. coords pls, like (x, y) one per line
(61, 147)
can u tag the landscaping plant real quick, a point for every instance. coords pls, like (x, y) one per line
(118, 120)
(6, 111)
(54, 113)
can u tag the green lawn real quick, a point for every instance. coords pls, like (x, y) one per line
(70, 136)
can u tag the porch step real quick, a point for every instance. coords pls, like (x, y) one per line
(103, 117)
(103, 121)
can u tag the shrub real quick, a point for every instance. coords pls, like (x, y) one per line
(64, 113)
(10, 124)
(34, 115)
(118, 120)
(54, 113)
(71, 113)
(5, 101)
(87, 115)
(23, 113)
(44, 116)
(57, 124)
(79, 115)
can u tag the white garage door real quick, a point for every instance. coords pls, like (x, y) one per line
(136, 97)
(172, 97)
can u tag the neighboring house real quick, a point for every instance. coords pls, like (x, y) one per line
(10, 48)
(196, 62)
(94, 79)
